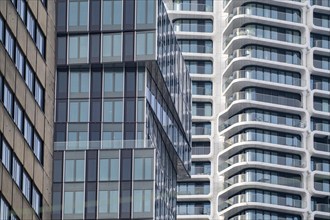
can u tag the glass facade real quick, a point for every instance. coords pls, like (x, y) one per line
(122, 131)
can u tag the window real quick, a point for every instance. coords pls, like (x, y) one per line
(145, 13)
(6, 155)
(78, 111)
(74, 202)
(143, 168)
(21, 8)
(29, 77)
(74, 170)
(78, 15)
(113, 111)
(19, 61)
(18, 115)
(79, 84)
(111, 47)
(8, 99)
(40, 41)
(145, 44)
(108, 202)
(112, 14)
(17, 171)
(109, 169)
(2, 28)
(78, 49)
(9, 44)
(77, 137)
(36, 200)
(142, 200)
(4, 209)
(28, 131)
(113, 82)
(26, 186)
(30, 24)
(39, 94)
(37, 147)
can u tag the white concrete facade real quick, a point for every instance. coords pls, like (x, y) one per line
(270, 118)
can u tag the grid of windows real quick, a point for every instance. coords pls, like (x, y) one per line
(22, 65)
(31, 23)
(21, 119)
(20, 177)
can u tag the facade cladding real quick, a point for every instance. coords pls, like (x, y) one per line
(123, 103)
(27, 79)
(260, 108)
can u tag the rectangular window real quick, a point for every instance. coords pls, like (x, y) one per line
(17, 172)
(40, 42)
(9, 43)
(30, 24)
(36, 200)
(6, 155)
(74, 170)
(19, 61)
(2, 28)
(112, 14)
(78, 49)
(78, 15)
(79, 84)
(142, 201)
(73, 202)
(39, 94)
(111, 47)
(21, 8)
(145, 13)
(28, 131)
(113, 111)
(37, 147)
(113, 82)
(18, 115)
(26, 188)
(78, 111)
(8, 99)
(29, 76)
(4, 209)
(109, 169)
(145, 44)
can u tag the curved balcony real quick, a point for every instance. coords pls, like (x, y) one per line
(180, 26)
(324, 44)
(245, 95)
(267, 137)
(253, 32)
(278, 180)
(266, 53)
(250, 10)
(245, 117)
(267, 158)
(323, 3)
(321, 207)
(188, 6)
(262, 196)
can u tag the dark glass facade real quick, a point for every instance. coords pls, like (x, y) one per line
(123, 111)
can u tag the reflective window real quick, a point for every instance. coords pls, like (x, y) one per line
(78, 15)
(74, 170)
(145, 13)
(143, 165)
(17, 172)
(6, 156)
(201, 109)
(113, 111)
(36, 200)
(113, 82)
(196, 46)
(28, 131)
(8, 99)
(9, 39)
(29, 76)
(201, 88)
(145, 44)
(78, 49)
(111, 47)
(199, 67)
(321, 20)
(109, 168)
(73, 202)
(112, 14)
(193, 25)
(30, 24)
(79, 84)
(19, 61)
(26, 186)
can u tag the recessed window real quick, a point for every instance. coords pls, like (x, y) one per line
(29, 76)
(8, 99)
(26, 188)
(17, 171)
(6, 155)
(30, 24)
(36, 200)
(19, 61)
(28, 131)
(39, 94)
(40, 41)
(18, 116)
(10, 44)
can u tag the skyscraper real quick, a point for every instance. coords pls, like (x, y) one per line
(261, 115)
(122, 122)
(27, 54)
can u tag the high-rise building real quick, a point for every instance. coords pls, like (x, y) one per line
(260, 108)
(27, 79)
(122, 122)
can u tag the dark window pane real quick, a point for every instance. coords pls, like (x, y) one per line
(61, 50)
(95, 48)
(95, 11)
(128, 46)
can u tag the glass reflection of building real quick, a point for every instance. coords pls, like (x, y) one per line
(123, 103)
